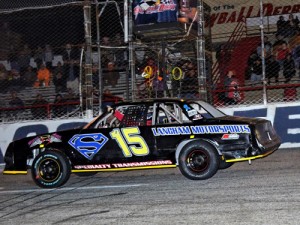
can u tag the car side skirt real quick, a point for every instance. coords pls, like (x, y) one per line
(124, 169)
(250, 158)
(14, 172)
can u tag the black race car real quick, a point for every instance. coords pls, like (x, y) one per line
(160, 133)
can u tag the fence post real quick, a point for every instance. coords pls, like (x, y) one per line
(88, 58)
(201, 52)
(263, 61)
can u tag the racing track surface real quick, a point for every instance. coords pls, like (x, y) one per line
(267, 192)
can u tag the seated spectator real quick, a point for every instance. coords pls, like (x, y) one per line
(272, 69)
(71, 99)
(111, 76)
(29, 77)
(281, 53)
(15, 79)
(3, 78)
(43, 77)
(232, 95)
(59, 109)
(38, 57)
(296, 57)
(281, 26)
(268, 48)
(59, 82)
(39, 108)
(288, 68)
(15, 101)
(48, 57)
(256, 71)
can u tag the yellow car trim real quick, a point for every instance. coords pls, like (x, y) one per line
(124, 169)
(249, 158)
(15, 172)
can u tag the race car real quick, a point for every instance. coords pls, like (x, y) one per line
(152, 134)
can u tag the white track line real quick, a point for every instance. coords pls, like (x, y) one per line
(68, 189)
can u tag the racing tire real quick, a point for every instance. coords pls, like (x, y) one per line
(51, 169)
(224, 165)
(198, 161)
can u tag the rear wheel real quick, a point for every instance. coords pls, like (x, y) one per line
(51, 169)
(198, 161)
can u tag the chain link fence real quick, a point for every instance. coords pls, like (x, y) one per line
(226, 52)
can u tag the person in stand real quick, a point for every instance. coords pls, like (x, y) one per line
(231, 85)
(272, 69)
(39, 108)
(289, 69)
(59, 109)
(15, 101)
(190, 82)
(71, 57)
(43, 77)
(48, 57)
(256, 71)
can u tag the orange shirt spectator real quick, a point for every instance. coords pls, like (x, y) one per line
(43, 76)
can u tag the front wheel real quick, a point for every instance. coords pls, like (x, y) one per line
(198, 161)
(51, 169)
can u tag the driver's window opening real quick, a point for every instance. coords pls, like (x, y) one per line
(169, 113)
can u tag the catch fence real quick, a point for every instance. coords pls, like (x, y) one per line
(91, 53)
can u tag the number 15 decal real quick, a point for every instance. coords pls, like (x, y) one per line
(130, 141)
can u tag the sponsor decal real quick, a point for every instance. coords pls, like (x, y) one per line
(124, 165)
(88, 144)
(207, 129)
(230, 137)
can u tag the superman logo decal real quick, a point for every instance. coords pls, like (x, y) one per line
(88, 144)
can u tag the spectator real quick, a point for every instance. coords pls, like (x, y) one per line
(59, 82)
(232, 95)
(281, 53)
(272, 69)
(15, 79)
(281, 26)
(59, 78)
(190, 82)
(3, 78)
(288, 68)
(71, 62)
(71, 99)
(29, 77)
(24, 59)
(268, 48)
(111, 77)
(106, 53)
(43, 77)
(120, 54)
(296, 57)
(256, 71)
(293, 25)
(48, 57)
(15, 101)
(38, 57)
(39, 108)
(59, 109)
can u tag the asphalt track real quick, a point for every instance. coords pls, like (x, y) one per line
(266, 192)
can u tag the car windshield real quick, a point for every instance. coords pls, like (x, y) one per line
(206, 109)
